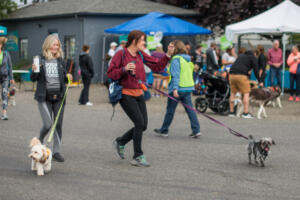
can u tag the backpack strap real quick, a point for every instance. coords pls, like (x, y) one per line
(142, 57)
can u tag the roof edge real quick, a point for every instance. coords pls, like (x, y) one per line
(82, 14)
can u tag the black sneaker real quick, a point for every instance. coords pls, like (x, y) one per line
(247, 116)
(58, 157)
(158, 132)
(119, 148)
(195, 135)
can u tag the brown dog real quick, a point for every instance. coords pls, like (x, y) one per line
(263, 96)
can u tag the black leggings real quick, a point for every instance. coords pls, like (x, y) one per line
(135, 108)
(293, 78)
(84, 96)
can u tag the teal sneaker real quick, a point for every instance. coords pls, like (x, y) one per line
(120, 149)
(140, 161)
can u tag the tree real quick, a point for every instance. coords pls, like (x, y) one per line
(216, 14)
(6, 7)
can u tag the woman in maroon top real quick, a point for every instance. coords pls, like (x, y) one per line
(127, 66)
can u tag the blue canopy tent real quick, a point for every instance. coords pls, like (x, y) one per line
(156, 22)
(159, 22)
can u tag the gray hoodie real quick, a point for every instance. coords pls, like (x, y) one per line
(6, 67)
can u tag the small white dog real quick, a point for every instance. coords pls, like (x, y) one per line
(41, 157)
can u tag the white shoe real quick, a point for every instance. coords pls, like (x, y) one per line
(247, 116)
(89, 104)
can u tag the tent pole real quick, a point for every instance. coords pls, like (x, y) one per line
(239, 42)
(103, 59)
(283, 62)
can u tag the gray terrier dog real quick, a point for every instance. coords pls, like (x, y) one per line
(260, 149)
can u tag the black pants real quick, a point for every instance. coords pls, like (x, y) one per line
(293, 78)
(135, 108)
(84, 96)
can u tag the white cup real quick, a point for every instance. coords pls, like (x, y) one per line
(36, 62)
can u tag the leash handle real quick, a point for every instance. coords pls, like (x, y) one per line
(58, 114)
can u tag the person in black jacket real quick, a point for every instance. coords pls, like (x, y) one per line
(87, 73)
(239, 80)
(211, 58)
(51, 77)
(262, 62)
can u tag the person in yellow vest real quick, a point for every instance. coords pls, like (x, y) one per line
(181, 85)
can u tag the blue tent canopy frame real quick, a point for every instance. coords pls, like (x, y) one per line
(155, 22)
(159, 22)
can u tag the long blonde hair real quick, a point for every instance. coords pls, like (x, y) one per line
(47, 45)
(3, 40)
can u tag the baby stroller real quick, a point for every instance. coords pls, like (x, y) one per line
(217, 94)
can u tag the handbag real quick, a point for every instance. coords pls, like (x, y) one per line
(298, 69)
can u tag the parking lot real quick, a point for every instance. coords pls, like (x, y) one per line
(214, 166)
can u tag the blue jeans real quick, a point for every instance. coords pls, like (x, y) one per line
(184, 97)
(275, 73)
(293, 78)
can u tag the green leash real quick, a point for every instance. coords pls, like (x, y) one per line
(58, 114)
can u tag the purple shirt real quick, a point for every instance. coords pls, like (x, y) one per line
(275, 56)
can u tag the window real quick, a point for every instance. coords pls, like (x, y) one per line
(24, 48)
(53, 31)
(69, 47)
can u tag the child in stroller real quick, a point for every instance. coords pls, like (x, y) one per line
(199, 82)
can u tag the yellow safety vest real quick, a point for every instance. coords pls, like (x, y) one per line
(186, 72)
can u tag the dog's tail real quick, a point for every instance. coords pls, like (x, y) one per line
(34, 141)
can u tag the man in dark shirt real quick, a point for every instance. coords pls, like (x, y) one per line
(211, 58)
(199, 56)
(239, 80)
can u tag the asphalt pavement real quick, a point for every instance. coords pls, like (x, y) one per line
(212, 167)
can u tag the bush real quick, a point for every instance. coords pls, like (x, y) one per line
(23, 64)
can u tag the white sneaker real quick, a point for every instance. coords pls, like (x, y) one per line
(89, 104)
(247, 116)
(4, 116)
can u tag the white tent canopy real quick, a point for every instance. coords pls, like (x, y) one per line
(283, 18)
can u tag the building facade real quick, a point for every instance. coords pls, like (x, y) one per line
(78, 25)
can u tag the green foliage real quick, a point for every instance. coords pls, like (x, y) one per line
(294, 39)
(24, 64)
(219, 13)
(6, 7)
